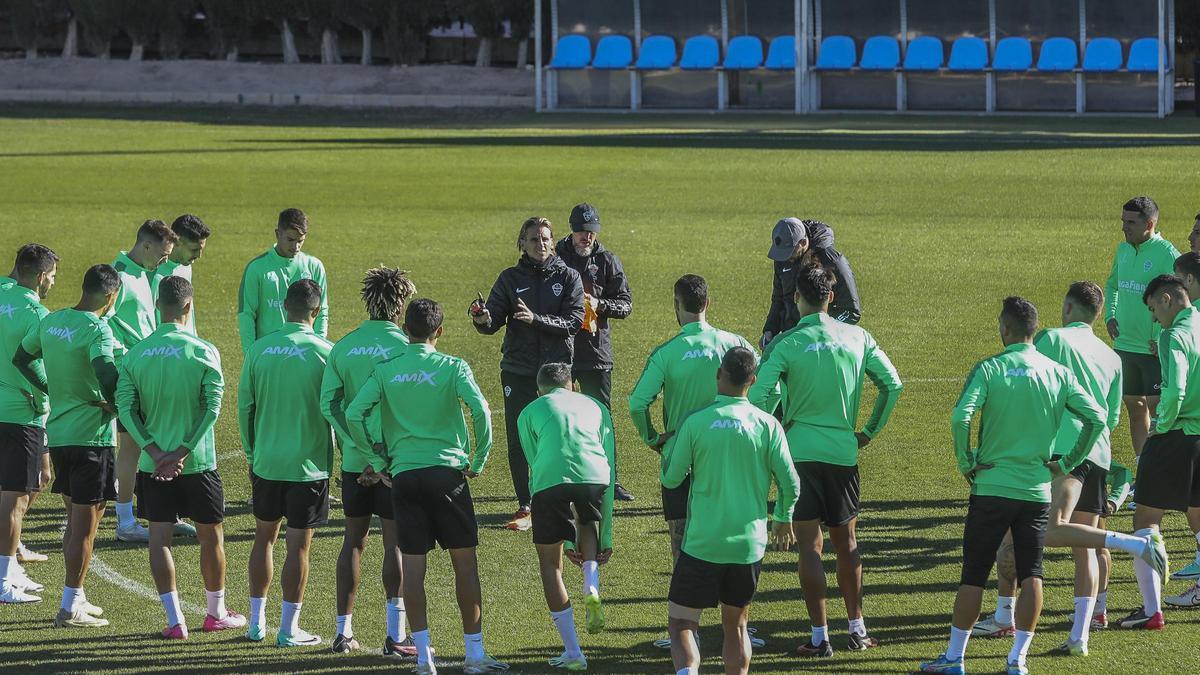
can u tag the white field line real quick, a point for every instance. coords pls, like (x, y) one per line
(906, 380)
(121, 581)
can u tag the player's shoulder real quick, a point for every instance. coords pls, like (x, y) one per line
(1164, 246)
(199, 344)
(258, 261)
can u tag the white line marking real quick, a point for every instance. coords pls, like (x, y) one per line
(230, 455)
(931, 379)
(121, 581)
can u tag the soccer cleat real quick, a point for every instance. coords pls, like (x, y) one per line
(1155, 555)
(176, 632)
(1015, 668)
(594, 611)
(621, 494)
(231, 620)
(484, 665)
(183, 529)
(78, 619)
(1139, 620)
(344, 645)
(662, 643)
(569, 662)
(135, 533)
(426, 669)
(521, 521)
(405, 648)
(301, 638)
(256, 632)
(25, 556)
(943, 665)
(89, 608)
(1071, 648)
(1192, 571)
(990, 628)
(1100, 621)
(21, 580)
(755, 641)
(1188, 598)
(16, 595)
(809, 650)
(861, 643)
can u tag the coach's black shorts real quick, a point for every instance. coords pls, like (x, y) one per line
(699, 584)
(675, 500)
(304, 504)
(988, 519)
(1141, 374)
(21, 449)
(828, 493)
(433, 506)
(85, 473)
(363, 502)
(199, 497)
(1093, 496)
(1168, 473)
(553, 520)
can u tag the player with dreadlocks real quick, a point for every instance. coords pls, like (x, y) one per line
(366, 488)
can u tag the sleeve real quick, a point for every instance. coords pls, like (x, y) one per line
(1174, 381)
(1114, 401)
(481, 415)
(845, 293)
(121, 331)
(885, 378)
(568, 323)
(129, 409)
(247, 318)
(333, 401)
(765, 392)
(618, 304)
(607, 438)
(39, 386)
(359, 410)
(972, 398)
(246, 409)
(787, 481)
(1110, 291)
(1119, 480)
(1081, 404)
(321, 323)
(212, 390)
(647, 389)
(497, 306)
(101, 352)
(527, 438)
(32, 343)
(677, 464)
(776, 311)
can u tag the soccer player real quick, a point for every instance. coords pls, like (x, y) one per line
(1142, 256)
(169, 397)
(1187, 267)
(267, 279)
(568, 438)
(366, 488)
(76, 347)
(289, 447)
(795, 245)
(193, 236)
(1023, 396)
(540, 300)
(731, 452)
(824, 362)
(23, 410)
(1120, 478)
(606, 296)
(1194, 236)
(423, 435)
(132, 319)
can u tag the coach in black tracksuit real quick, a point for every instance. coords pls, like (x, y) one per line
(540, 300)
(795, 243)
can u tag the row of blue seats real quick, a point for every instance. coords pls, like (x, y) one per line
(658, 52)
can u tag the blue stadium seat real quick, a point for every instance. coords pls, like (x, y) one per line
(613, 52)
(1103, 55)
(700, 52)
(781, 55)
(1013, 54)
(881, 52)
(1141, 55)
(745, 52)
(968, 54)
(837, 53)
(658, 53)
(924, 53)
(572, 53)
(1058, 55)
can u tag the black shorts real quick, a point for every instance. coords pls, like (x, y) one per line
(675, 500)
(363, 502)
(85, 473)
(21, 449)
(1141, 374)
(699, 584)
(1093, 496)
(828, 493)
(988, 520)
(433, 506)
(199, 497)
(304, 504)
(1168, 472)
(553, 520)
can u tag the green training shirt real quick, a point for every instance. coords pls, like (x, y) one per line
(1120, 479)
(264, 287)
(733, 451)
(420, 414)
(1098, 370)
(7, 282)
(1132, 269)
(351, 362)
(823, 364)
(171, 268)
(1023, 397)
(568, 439)
(170, 394)
(1179, 400)
(69, 341)
(284, 435)
(21, 314)
(133, 317)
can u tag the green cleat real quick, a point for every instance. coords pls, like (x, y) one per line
(1071, 648)
(578, 663)
(594, 612)
(300, 638)
(1192, 571)
(256, 632)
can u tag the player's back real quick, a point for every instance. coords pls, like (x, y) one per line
(689, 362)
(70, 341)
(568, 430)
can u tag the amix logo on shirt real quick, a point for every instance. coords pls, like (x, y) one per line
(1019, 372)
(287, 352)
(726, 424)
(377, 350)
(823, 347)
(418, 377)
(62, 333)
(8, 310)
(166, 352)
(699, 354)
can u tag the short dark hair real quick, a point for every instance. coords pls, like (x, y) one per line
(1188, 263)
(174, 292)
(1020, 316)
(1087, 294)
(739, 365)
(691, 290)
(1164, 283)
(422, 318)
(385, 290)
(191, 228)
(35, 259)
(158, 231)
(302, 296)
(1143, 206)
(101, 279)
(554, 375)
(814, 283)
(293, 219)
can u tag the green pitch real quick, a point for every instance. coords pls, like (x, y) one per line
(941, 218)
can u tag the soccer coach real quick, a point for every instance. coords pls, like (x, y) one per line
(795, 243)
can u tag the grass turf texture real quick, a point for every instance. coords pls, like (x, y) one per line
(941, 218)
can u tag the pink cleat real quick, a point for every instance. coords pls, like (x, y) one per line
(176, 632)
(231, 620)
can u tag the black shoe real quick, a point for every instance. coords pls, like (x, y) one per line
(821, 651)
(621, 494)
(404, 649)
(861, 643)
(343, 644)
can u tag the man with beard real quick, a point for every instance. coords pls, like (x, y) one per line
(796, 244)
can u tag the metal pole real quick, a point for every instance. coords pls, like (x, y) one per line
(1171, 56)
(1080, 86)
(800, 58)
(537, 55)
(990, 95)
(635, 79)
(901, 82)
(817, 30)
(1162, 111)
(552, 81)
(722, 76)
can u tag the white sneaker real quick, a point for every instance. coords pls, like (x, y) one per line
(25, 556)
(78, 619)
(990, 628)
(136, 533)
(15, 595)
(1188, 598)
(20, 579)
(484, 665)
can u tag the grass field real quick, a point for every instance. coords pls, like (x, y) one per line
(941, 218)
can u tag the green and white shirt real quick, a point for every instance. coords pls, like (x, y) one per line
(133, 316)
(264, 287)
(1179, 354)
(70, 343)
(21, 314)
(1098, 370)
(171, 268)
(1132, 269)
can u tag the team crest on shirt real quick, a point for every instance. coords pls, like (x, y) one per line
(558, 289)
(507, 391)
(1146, 266)
(593, 270)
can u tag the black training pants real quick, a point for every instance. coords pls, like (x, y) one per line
(519, 391)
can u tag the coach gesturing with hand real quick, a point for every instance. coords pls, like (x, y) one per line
(540, 300)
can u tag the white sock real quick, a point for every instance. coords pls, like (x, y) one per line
(1004, 610)
(1020, 647)
(858, 626)
(564, 621)
(421, 640)
(8, 565)
(289, 620)
(395, 619)
(216, 604)
(344, 626)
(71, 598)
(1149, 581)
(125, 514)
(1101, 603)
(473, 642)
(591, 578)
(1198, 548)
(1083, 619)
(1131, 544)
(170, 602)
(958, 644)
(258, 611)
(819, 635)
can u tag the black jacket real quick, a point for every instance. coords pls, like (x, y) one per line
(604, 278)
(845, 307)
(554, 293)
